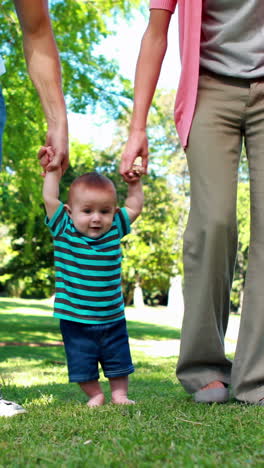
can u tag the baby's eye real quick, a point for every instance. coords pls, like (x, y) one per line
(105, 211)
(87, 211)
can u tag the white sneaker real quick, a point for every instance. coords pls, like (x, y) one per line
(9, 408)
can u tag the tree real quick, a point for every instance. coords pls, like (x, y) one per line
(151, 255)
(243, 216)
(153, 252)
(89, 80)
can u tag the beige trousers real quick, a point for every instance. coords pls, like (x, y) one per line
(227, 111)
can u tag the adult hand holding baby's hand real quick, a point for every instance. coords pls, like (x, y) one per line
(45, 155)
(135, 148)
(137, 168)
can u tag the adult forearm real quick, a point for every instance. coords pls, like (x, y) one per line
(147, 75)
(44, 69)
(42, 57)
(152, 52)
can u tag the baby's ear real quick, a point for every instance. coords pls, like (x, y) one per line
(68, 209)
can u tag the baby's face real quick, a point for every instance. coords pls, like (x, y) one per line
(92, 210)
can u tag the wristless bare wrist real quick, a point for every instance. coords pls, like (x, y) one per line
(137, 128)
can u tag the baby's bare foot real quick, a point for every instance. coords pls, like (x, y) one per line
(97, 400)
(214, 384)
(122, 400)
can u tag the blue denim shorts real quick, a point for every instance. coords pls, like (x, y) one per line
(2, 122)
(87, 345)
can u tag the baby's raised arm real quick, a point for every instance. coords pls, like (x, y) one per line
(135, 199)
(51, 189)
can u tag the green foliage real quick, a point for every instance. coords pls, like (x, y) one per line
(88, 80)
(153, 251)
(150, 252)
(243, 218)
(30, 270)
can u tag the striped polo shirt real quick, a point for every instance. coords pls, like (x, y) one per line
(88, 271)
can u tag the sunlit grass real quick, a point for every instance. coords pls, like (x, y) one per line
(164, 429)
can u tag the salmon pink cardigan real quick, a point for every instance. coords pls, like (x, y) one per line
(190, 19)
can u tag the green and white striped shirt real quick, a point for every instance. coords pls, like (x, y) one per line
(88, 271)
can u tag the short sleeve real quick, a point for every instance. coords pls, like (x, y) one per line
(163, 5)
(123, 222)
(57, 224)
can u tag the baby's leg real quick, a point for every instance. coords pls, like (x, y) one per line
(119, 388)
(94, 392)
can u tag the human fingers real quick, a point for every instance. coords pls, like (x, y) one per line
(58, 162)
(43, 159)
(135, 148)
(144, 162)
(131, 165)
(132, 171)
(127, 160)
(57, 138)
(65, 163)
(137, 167)
(42, 151)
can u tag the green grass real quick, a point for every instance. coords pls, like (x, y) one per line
(164, 429)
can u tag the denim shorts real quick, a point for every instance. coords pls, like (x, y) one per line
(86, 345)
(2, 122)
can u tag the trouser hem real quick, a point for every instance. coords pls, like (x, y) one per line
(202, 380)
(253, 396)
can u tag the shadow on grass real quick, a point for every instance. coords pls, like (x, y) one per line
(5, 305)
(28, 328)
(38, 329)
(42, 356)
(150, 331)
(148, 381)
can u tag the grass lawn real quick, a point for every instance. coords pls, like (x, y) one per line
(164, 429)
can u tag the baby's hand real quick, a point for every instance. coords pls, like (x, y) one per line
(45, 155)
(137, 169)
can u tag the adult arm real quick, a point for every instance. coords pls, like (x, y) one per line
(135, 199)
(43, 64)
(150, 59)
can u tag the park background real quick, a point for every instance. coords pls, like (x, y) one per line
(98, 42)
(99, 101)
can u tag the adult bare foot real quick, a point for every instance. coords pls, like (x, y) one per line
(214, 384)
(214, 392)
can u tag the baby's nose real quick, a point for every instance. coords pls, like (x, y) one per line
(96, 217)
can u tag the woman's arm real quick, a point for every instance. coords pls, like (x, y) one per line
(151, 55)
